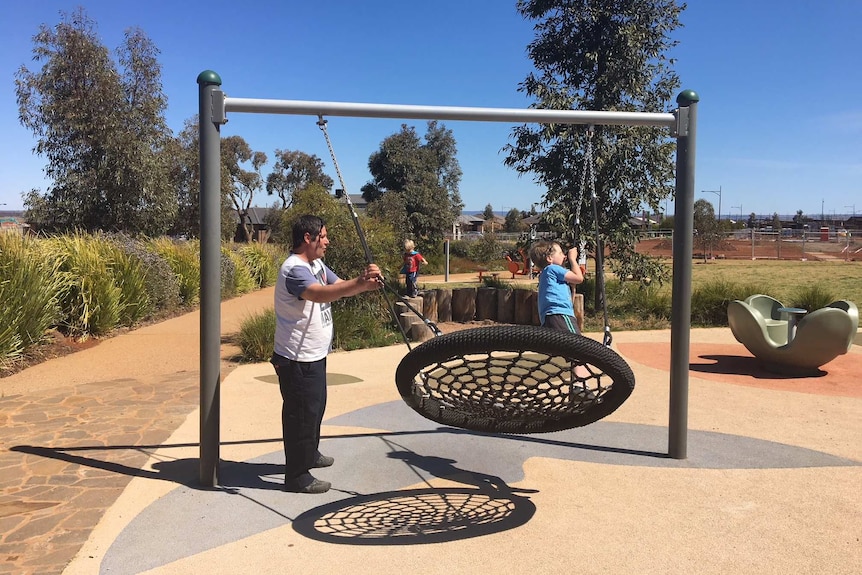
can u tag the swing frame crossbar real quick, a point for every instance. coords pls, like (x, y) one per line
(213, 106)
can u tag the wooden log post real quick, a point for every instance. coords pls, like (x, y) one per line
(486, 304)
(419, 331)
(429, 304)
(578, 304)
(505, 305)
(463, 304)
(534, 307)
(444, 304)
(523, 307)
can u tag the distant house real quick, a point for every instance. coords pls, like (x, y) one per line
(357, 200)
(13, 221)
(641, 221)
(256, 217)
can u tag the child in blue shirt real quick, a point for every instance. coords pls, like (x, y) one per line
(555, 298)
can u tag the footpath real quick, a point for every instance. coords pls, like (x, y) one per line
(75, 430)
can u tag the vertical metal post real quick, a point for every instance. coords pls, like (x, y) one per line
(446, 257)
(210, 310)
(680, 338)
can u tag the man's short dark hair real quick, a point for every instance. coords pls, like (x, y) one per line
(306, 224)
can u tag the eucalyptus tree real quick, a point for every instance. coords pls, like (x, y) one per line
(184, 154)
(294, 171)
(600, 56)
(100, 128)
(425, 175)
(242, 183)
(707, 231)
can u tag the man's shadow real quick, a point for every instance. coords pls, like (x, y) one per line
(183, 471)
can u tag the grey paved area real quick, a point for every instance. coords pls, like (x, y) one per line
(98, 471)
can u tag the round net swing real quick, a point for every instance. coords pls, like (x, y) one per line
(513, 379)
(506, 379)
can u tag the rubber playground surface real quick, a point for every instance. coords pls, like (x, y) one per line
(99, 457)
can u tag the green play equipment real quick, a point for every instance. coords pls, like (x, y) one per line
(790, 340)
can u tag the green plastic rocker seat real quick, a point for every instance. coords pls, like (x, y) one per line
(821, 335)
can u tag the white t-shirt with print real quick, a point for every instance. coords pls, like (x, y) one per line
(303, 329)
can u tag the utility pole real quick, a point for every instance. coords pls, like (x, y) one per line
(718, 193)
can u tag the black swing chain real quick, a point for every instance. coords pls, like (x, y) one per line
(589, 166)
(369, 258)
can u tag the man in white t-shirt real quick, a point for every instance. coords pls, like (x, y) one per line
(304, 293)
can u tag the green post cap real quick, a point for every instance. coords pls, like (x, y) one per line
(208, 77)
(685, 98)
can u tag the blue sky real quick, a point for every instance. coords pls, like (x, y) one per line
(779, 121)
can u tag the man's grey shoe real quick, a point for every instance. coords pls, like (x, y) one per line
(323, 461)
(316, 486)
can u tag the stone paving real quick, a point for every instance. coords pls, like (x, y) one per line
(68, 450)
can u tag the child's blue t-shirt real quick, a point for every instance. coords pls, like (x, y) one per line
(555, 297)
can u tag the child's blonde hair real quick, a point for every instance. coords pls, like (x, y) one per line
(409, 245)
(540, 252)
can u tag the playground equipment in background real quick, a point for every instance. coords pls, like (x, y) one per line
(770, 332)
(518, 267)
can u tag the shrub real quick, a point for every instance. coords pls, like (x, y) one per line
(184, 259)
(812, 297)
(256, 336)
(243, 282)
(160, 283)
(29, 291)
(90, 300)
(261, 263)
(362, 321)
(709, 302)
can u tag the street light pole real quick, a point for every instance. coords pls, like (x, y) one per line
(718, 193)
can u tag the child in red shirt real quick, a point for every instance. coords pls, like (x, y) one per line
(410, 269)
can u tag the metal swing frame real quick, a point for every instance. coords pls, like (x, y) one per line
(213, 106)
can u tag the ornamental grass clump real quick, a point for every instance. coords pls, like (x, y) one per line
(29, 292)
(184, 259)
(261, 262)
(257, 336)
(243, 282)
(90, 299)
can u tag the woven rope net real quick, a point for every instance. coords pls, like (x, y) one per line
(514, 379)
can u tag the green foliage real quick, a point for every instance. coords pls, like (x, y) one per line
(486, 249)
(184, 259)
(90, 299)
(812, 297)
(29, 290)
(184, 157)
(492, 282)
(362, 321)
(256, 336)
(707, 232)
(641, 301)
(345, 255)
(599, 56)
(240, 183)
(243, 282)
(262, 261)
(709, 301)
(293, 171)
(425, 176)
(101, 131)
(128, 275)
(227, 274)
(162, 286)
